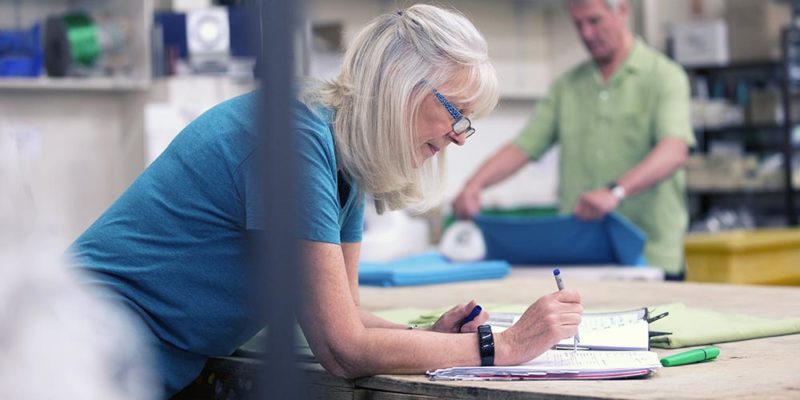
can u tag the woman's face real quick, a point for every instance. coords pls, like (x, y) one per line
(434, 127)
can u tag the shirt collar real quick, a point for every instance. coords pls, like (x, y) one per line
(633, 63)
(636, 58)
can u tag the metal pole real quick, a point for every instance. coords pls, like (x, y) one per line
(789, 38)
(277, 245)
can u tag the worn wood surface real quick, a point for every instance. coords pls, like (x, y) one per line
(762, 368)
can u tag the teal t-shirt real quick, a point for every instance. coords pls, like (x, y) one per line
(174, 247)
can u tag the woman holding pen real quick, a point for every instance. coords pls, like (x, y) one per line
(172, 249)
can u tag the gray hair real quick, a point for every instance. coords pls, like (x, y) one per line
(612, 5)
(388, 71)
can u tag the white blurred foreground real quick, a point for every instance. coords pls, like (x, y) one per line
(56, 341)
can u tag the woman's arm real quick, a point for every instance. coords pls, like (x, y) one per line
(347, 347)
(351, 252)
(449, 321)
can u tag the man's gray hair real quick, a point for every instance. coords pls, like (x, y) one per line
(612, 5)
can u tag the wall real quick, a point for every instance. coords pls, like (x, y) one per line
(534, 184)
(523, 64)
(81, 151)
(99, 137)
(81, 140)
(530, 43)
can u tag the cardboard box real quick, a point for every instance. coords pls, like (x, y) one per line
(748, 31)
(754, 29)
(701, 42)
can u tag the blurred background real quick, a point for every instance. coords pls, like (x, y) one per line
(91, 91)
(87, 126)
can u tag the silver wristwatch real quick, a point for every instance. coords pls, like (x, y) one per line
(617, 190)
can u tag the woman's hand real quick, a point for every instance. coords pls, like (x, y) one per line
(450, 321)
(546, 322)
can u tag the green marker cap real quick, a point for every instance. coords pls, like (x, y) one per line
(690, 357)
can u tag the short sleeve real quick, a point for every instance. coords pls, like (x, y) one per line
(317, 194)
(316, 199)
(319, 215)
(247, 187)
(353, 226)
(540, 132)
(673, 118)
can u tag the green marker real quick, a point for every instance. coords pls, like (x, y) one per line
(690, 357)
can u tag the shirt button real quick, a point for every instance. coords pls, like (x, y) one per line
(604, 95)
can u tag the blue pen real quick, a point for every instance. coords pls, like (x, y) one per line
(560, 284)
(472, 314)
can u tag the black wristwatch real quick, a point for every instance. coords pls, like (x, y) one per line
(486, 345)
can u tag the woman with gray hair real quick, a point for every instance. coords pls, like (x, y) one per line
(173, 247)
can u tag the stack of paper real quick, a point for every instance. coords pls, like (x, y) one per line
(562, 364)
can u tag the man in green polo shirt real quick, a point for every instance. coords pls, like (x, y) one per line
(622, 120)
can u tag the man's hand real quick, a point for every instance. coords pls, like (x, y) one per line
(468, 202)
(596, 204)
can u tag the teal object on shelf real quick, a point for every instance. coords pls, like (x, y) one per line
(563, 240)
(426, 269)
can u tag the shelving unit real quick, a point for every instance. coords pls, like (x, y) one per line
(770, 203)
(88, 127)
(84, 84)
(138, 21)
(790, 54)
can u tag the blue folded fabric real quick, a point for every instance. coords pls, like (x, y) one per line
(562, 240)
(426, 269)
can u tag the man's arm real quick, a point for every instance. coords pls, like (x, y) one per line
(534, 139)
(508, 160)
(668, 156)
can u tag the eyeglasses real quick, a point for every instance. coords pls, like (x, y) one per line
(462, 124)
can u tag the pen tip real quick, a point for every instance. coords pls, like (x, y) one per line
(556, 271)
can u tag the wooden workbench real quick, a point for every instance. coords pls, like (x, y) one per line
(763, 368)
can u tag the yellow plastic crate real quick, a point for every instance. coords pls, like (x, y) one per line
(765, 256)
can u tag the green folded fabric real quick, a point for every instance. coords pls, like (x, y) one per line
(689, 326)
(697, 326)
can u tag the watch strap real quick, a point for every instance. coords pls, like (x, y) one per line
(486, 345)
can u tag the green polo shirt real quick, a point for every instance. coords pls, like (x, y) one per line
(606, 128)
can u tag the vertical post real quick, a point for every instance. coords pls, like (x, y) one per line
(790, 39)
(277, 246)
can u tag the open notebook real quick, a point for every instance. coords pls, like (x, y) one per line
(562, 364)
(619, 330)
(613, 345)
